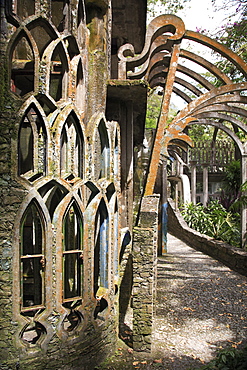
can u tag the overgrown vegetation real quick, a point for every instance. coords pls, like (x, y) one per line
(228, 359)
(168, 6)
(221, 219)
(213, 220)
(233, 34)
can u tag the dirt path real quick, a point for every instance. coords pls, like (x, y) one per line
(201, 307)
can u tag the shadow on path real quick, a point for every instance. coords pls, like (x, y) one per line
(201, 307)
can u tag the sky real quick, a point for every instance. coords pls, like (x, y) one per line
(201, 14)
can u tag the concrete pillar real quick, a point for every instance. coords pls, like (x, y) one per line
(126, 123)
(145, 273)
(244, 209)
(205, 184)
(193, 181)
(164, 219)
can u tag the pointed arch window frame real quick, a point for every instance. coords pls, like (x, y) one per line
(78, 253)
(39, 146)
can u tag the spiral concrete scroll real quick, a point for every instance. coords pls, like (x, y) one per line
(159, 32)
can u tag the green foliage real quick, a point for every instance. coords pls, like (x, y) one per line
(228, 359)
(154, 107)
(170, 6)
(232, 177)
(213, 221)
(233, 35)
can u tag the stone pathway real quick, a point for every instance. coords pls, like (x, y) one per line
(201, 307)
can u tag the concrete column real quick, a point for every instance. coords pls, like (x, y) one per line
(145, 273)
(126, 123)
(164, 219)
(205, 184)
(244, 209)
(193, 181)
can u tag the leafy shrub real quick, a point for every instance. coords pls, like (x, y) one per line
(213, 221)
(228, 359)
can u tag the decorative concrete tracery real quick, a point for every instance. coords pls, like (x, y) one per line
(66, 164)
(73, 246)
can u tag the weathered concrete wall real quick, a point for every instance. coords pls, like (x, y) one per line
(83, 94)
(145, 273)
(235, 258)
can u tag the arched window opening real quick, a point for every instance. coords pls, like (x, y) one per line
(42, 34)
(46, 104)
(81, 23)
(52, 194)
(32, 145)
(24, 8)
(116, 155)
(72, 254)
(105, 150)
(72, 47)
(59, 69)
(72, 320)
(102, 162)
(22, 68)
(33, 332)
(60, 14)
(26, 149)
(71, 150)
(80, 88)
(32, 259)
(116, 240)
(101, 248)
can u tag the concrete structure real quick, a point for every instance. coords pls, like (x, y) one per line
(67, 143)
(73, 88)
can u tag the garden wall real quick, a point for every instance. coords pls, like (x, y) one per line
(233, 257)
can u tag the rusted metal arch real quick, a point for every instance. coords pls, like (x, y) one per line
(224, 117)
(182, 94)
(159, 79)
(158, 68)
(214, 96)
(172, 29)
(223, 108)
(222, 127)
(221, 49)
(188, 86)
(195, 76)
(206, 64)
(233, 98)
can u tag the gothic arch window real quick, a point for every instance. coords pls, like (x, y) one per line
(101, 248)
(58, 75)
(22, 66)
(116, 155)
(116, 241)
(102, 161)
(60, 14)
(42, 32)
(80, 87)
(32, 259)
(24, 8)
(52, 194)
(81, 28)
(32, 142)
(71, 149)
(72, 254)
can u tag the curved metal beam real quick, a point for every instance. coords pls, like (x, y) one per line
(221, 49)
(206, 64)
(224, 117)
(222, 127)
